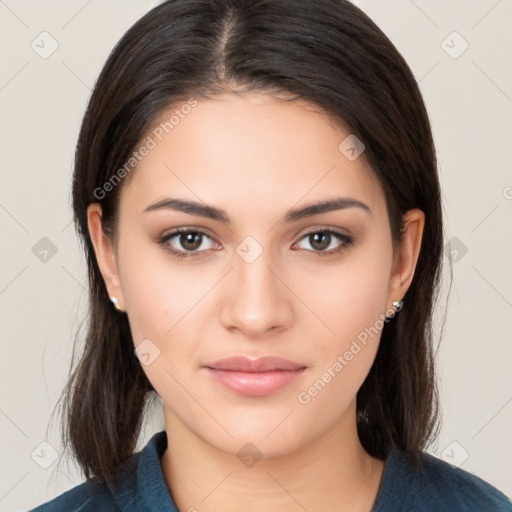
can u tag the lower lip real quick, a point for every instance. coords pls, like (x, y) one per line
(255, 383)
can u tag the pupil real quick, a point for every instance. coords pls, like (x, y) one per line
(320, 241)
(190, 241)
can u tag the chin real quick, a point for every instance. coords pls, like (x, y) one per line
(275, 434)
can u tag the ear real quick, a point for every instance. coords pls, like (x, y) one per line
(406, 256)
(105, 254)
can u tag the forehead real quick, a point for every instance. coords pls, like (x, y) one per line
(249, 151)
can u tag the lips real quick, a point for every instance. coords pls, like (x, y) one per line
(255, 377)
(262, 364)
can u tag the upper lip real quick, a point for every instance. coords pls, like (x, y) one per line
(262, 364)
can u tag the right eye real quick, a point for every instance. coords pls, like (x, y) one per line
(186, 242)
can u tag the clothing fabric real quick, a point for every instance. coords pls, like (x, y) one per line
(438, 487)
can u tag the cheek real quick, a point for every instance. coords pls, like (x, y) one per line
(166, 303)
(163, 301)
(343, 359)
(350, 299)
(158, 292)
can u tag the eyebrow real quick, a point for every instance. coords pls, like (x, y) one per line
(293, 215)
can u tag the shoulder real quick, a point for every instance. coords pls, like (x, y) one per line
(139, 485)
(96, 495)
(88, 496)
(460, 488)
(435, 486)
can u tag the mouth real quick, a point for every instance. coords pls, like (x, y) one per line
(255, 377)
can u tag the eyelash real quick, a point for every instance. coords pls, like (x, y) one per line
(347, 242)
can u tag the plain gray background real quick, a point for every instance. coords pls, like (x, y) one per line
(468, 92)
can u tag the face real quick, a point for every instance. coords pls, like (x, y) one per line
(248, 277)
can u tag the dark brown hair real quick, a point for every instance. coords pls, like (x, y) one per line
(327, 53)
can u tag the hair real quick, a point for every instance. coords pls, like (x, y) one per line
(327, 53)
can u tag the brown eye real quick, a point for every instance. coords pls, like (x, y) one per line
(187, 242)
(320, 241)
(326, 241)
(191, 240)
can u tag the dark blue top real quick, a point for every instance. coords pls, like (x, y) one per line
(439, 487)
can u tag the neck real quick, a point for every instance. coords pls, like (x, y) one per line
(333, 472)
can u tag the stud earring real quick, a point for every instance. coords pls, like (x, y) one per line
(397, 304)
(115, 301)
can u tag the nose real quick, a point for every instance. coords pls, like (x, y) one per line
(257, 303)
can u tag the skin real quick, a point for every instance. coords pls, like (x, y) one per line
(256, 158)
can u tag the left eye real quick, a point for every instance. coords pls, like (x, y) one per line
(326, 241)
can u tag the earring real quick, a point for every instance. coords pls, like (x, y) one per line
(397, 304)
(115, 301)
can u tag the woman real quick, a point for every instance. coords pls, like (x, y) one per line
(256, 189)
